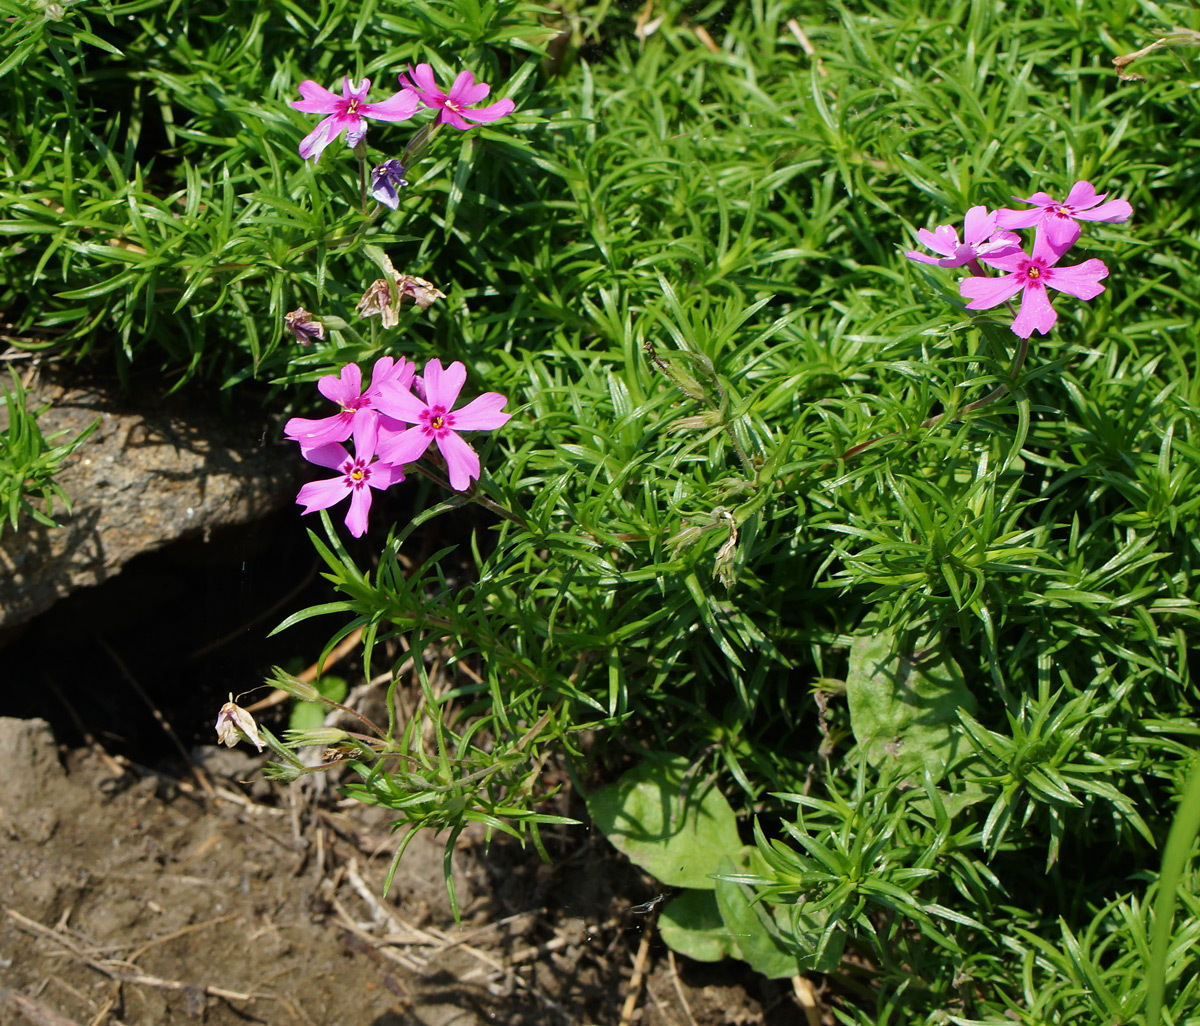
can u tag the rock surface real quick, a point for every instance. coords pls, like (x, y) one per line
(143, 479)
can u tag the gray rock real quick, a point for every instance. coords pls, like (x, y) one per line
(143, 479)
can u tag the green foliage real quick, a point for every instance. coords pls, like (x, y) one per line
(675, 828)
(28, 462)
(311, 715)
(771, 498)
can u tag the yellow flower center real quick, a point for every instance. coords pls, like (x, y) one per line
(437, 423)
(357, 474)
(1034, 272)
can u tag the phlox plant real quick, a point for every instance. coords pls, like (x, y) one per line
(852, 585)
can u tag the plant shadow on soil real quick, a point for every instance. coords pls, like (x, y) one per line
(131, 897)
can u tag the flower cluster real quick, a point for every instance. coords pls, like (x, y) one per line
(987, 241)
(347, 114)
(393, 422)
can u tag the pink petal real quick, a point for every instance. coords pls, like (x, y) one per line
(395, 400)
(366, 434)
(454, 118)
(422, 75)
(320, 137)
(1036, 313)
(462, 462)
(943, 239)
(310, 433)
(407, 447)
(330, 454)
(384, 475)
(1079, 280)
(1113, 210)
(1041, 199)
(352, 92)
(1082, 196)
(1059, 233)
(985, 293)
(321, 494)
(343, 387)
(1006, 218)
(360, 506)
(463, 81)
(442, 386)
(482, 414)
(398, 107)
(1006, 258)
(499, 109)
(925, 258)
(978, 225)
(317, 99)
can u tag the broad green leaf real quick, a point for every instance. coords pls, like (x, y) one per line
(676, 827)
(691, 924)
(903, 710)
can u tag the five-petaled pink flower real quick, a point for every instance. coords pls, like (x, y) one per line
(346, 113)
(357, 406)
(1030, 275)
(979, 237)
(1061, 220)
(435, 419)
(453, 104)
(357, 475)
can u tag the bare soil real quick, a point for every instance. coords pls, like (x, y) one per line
(130, 898)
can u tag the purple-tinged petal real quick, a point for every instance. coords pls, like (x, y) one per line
(399, 107)
(985, 293)
(442, 386)
(1036, 313)
(1113, 210)
(1079, 280)
(407, 447)
(360, 507)
(499, 109)
(311, 433)
(1082, 196)
(342, 387)
(395, 400)
(462, 462)
(978, 225)
(482, 414)
(322, 494)
(329, 454)
(352, 92)
(317, 99)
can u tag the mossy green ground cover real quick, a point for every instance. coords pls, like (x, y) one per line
(936, 659)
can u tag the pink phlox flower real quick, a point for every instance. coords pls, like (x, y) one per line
(453, 104)
(357, 406)
(346, 113)
(1030, 275)
(979, 237)
(435, 419)
(1061, 220)
(356, 476)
